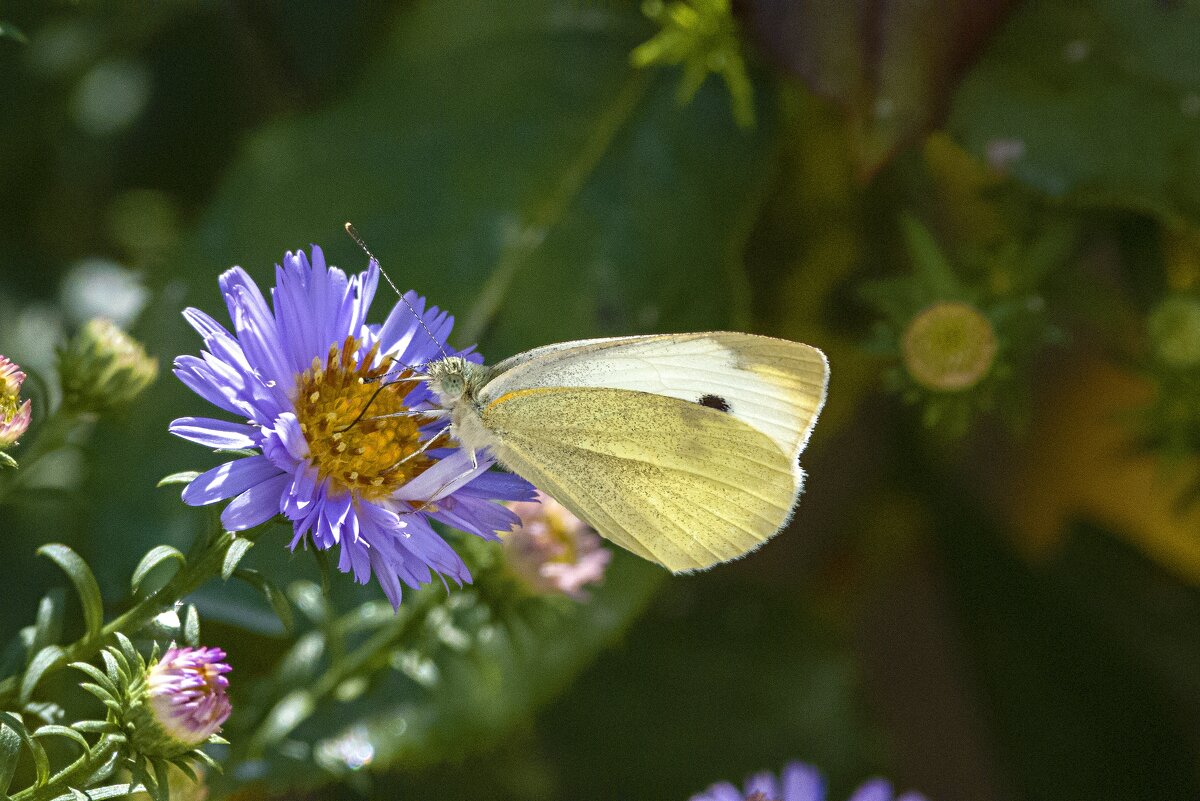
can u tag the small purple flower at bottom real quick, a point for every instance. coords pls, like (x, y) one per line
(798, 782)
(187, 693)
(553, 551)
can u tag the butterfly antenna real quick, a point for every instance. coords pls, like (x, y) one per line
(353, 233)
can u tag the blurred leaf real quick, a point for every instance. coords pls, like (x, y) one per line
(41, 762)
(234, 555)
(892, 65)
(10, 31)
(1066, 688)
(183, 477)
(153, 558)
(10, 753)
(1098, 100)
(47, 629)
(43, 661)
(275, 596)
(85, 584)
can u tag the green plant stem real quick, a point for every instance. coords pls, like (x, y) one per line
(203, 564)
(53, 433)
(77, 774)
(538, 221)
(282, 720)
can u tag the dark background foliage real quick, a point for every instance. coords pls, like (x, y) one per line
(986, 594)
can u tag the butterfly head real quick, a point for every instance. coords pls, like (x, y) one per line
(454, 378)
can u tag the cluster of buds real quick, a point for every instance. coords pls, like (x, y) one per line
(14, 414)
(103, 368)
(553, 552)
(702, 36)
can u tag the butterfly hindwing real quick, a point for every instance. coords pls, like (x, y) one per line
(675, 481)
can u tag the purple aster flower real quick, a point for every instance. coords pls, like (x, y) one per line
(554, 551)
(798, 782)
(186, 692)
(328, 400)
(14, 415)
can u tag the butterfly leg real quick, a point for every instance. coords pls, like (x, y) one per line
(426, 445)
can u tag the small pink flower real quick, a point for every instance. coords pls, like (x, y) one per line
(553, 551)
(187, 693)
(14, 415)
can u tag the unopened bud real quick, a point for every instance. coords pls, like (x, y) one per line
(103, 368)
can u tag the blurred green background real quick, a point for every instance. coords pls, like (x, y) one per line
(989, 590)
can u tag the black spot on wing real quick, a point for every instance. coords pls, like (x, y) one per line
(714, 402)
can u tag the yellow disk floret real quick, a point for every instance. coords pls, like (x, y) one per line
(343, 407)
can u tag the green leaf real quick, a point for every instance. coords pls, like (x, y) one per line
(47, 628)
(153, 558)
(77, 795)
(184, 477)
(103, 793)
(10, 31)
(94, 726)
(41, 762)
(1097, 100)
(162, 778)
(53, 730)
(85, 584)
(10, 754)
(43, 662)
(7, 461)
(96, 674)
(275, 596)
(105, 694)
(190, 625)
(237, 549)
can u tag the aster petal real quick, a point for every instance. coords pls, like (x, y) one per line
(360, 291)
(197, 376)
(764, 783)
(498, 485)
(873, 790)
(722, 791)
(802, 783)
(294, 311)
(256, 505)
(255, 326)
(221, 434)
(228, 479)
(475, 516)
(443, 478)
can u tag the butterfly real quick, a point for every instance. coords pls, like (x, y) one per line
(682, 448)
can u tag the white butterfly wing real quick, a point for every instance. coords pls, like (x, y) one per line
(773, 385)
(681, 448)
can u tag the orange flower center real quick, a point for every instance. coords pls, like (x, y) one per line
(344, 409)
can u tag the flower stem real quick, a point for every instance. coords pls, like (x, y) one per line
(203, 564)
(539, 220)
(77, 774)
(53, 433)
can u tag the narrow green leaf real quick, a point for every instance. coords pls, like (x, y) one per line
(94, 726)
(75, 794)
(54, 730)
(274, 596)
(42, 663)
(85, 584)
(47, 628)
(116, 673)
(8, 461)
(98, 675)
(103, 793)
(190, 625)
(186, 768)
(41, 763)
(106, 696)
(132, 657)
(7, 29)
(153, 558)
(234, 555)
(928, 258)
(185, 477)
(10, 753)
(162, 778)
